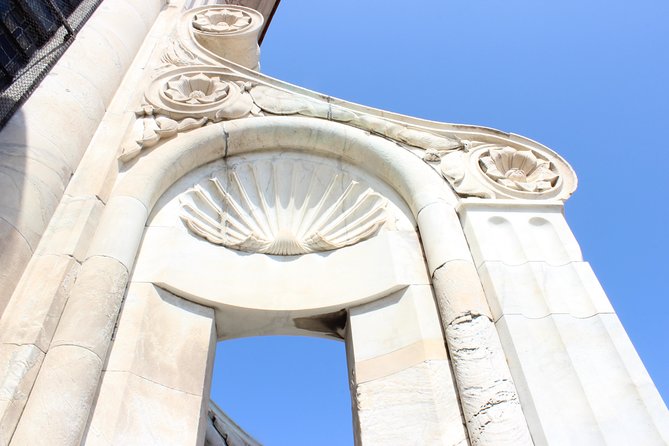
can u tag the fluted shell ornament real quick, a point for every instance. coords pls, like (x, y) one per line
(283, 207)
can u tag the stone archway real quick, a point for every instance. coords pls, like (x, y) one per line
(461, 304)
(268, 243)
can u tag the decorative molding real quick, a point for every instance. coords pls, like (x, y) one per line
(199, 82)
(176, 54)
(150, 127)
(283, 207)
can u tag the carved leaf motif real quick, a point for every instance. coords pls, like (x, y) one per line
(150, 128)
(453, 166)
(283, 207)
(178, 55)
(241, 106)
(280, 102)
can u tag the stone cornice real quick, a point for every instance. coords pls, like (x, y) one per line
(194, 85)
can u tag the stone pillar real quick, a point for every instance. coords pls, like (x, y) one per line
(59, 404)
(64, 390)
(579, 379)
(487, 393)
(401, 380)
(155, 386)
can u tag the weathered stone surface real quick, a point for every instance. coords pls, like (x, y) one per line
(92, 308)
(398, 364)
(39, 299)
(165, 339)
(411, 407)
(19, 365)
(139, 411)
(72, 227)
(582, 373)
(458, 291)
(161, 358)
(59, 405)
(122, 219)
(223, 431)
(487, 392)
(537, 289)
(30, 175)
(16, 253)
(516, 233)
(442, 236)
(57, 410)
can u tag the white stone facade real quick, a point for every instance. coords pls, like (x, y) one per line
(208, 201)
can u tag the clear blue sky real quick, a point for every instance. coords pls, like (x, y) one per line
(590, 79)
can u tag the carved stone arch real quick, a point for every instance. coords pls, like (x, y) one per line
(451, 278)
(256, 289)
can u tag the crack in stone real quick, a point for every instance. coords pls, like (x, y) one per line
(152, 381)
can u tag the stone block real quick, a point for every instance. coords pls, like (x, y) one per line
(120, 230)
(459, 292)
(16, 253)
(217, 275)
(537, 289)
(33, 314)
(131, 410)
(416, 406)
(582, 373)
(72, 227)
(397, 321)
(19, 365)
(442, 235)
(58, 407)
(99, 167)
(92, 308)
(164, 339)
(519, 233)
(31, 190)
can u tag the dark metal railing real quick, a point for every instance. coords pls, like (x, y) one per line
(33, 36)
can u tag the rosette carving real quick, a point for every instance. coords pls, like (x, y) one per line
(518, 169)
(496, 171)
(283, 207)
(222, 20)
(196, 89)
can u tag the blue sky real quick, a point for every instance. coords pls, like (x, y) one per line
(588, 79)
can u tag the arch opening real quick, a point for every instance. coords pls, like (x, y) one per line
(285, 389)
(387, 289)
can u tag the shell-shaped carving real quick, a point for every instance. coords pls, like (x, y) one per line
(283, 207)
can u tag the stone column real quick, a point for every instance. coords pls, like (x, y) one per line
(487, 393)
(401, 380)
(62, 397)
(579, 378)
(156, 383)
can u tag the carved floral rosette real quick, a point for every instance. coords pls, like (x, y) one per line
(224, 32)
(283, 207)
(222, 20)
(506, 170)
(203, 92)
